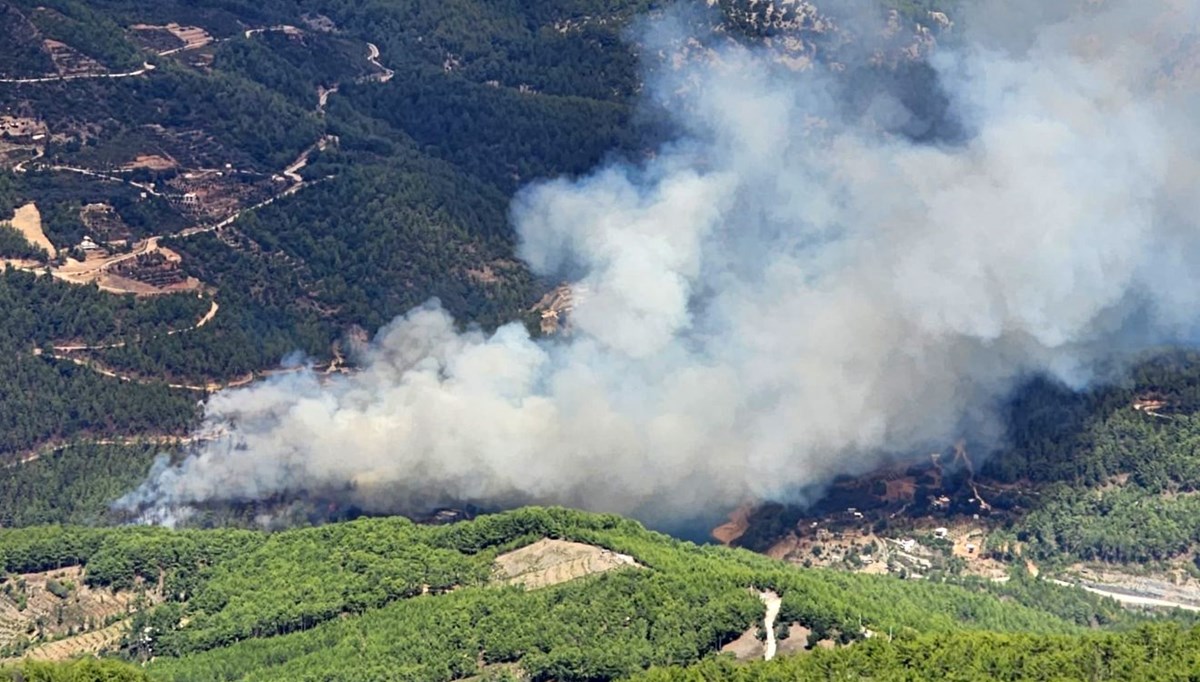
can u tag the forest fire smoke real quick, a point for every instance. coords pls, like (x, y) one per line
(772, 302)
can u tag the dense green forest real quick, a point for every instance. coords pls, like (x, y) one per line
(1067, 446)
(43, 398)
(390, 599)
(73, 484)
(93, 33)
(1162, 652)
(23, 53)
(85, 670)
(295, 68)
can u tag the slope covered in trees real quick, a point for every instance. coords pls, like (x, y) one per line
(1149, 653)
(407, 202)
(73, 484)
(388, 599)
(75, 671)
(42, 398)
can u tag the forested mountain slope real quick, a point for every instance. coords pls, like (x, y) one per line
(388, 599)
(401, 200)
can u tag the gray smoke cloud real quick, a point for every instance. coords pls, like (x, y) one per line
(785, 291)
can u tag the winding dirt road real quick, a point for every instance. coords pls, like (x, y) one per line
(772, 602)
(38, 153)
(385, 74)
(145, 187)
(213, 308)
(146, 68)
(1128, 599)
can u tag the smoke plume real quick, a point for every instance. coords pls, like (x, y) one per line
(788, 290)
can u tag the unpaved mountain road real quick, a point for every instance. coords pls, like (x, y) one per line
(44, 451)
(145, 187)
(772, 602)
(1127, 598)
(38, 153)
(146, 68)
(385, 73)
(213, 308)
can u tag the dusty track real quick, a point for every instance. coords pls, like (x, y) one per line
(772, 602)
(39, 152)
(132, 440)
(146, 68)
(385, 74)
(323, 97)
(62, 352)
(149, 189)
(1127, 598)
(213, 308)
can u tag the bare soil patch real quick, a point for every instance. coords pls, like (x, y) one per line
(550, 562)
(796, 642)
(21, 126)
(184, 37)
(28, 220)
(55, 604)
(82, 644)
(747, 647)
(739, 520)
(901, 489)
(152, 161)
(72, 62)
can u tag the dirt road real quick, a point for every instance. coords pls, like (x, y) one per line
(213, 308)
(145, 187)
(126, 441)
(208, 317)
(772, 602)
(39, 152)
(1128, 599)
(323, 97)
(225, 222)
(146, 68)
(281, 28)
(385, 73)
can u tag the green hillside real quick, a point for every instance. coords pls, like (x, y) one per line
(1149, 653)
(386, 599)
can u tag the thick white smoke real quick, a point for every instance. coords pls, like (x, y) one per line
(782, 294)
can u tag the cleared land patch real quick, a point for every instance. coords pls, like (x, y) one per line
(87, 643)
(28, 221)
(60, 616)
(550, 562)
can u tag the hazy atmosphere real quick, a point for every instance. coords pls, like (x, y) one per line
(790, 289)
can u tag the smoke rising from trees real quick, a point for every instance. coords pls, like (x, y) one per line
(786, 290)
